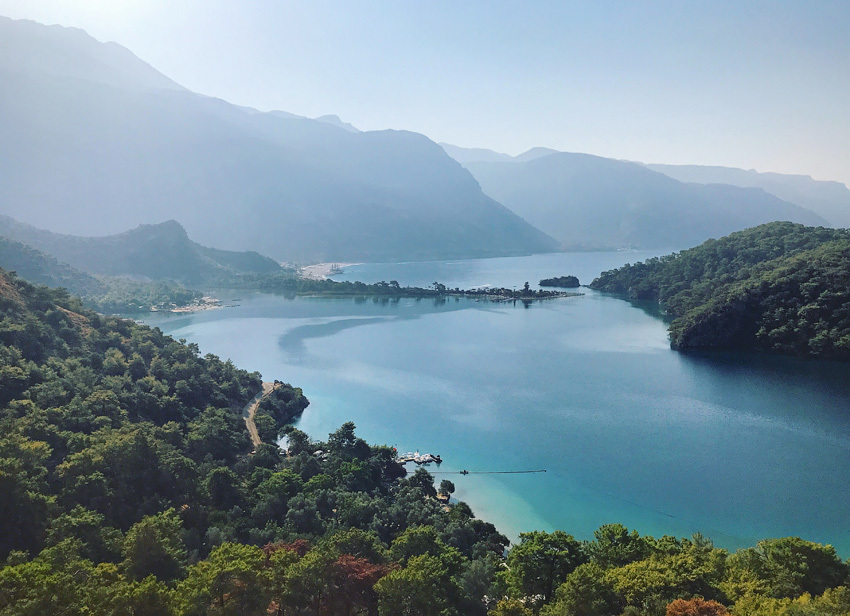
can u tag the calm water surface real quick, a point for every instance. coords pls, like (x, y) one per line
(738, 447)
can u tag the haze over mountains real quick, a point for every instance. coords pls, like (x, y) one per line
(592, 202)
(472, 155)
(828, 199)
(95, 141)
(28, 48)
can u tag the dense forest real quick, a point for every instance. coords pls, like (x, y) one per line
(779, 287)
(130, 487)
(565, 282)
(129, 483)
(291, 286)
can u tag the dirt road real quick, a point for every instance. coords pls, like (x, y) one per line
(251, 410)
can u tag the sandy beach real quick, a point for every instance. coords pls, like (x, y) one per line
(320, 271)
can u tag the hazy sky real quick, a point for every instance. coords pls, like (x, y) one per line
(762, 85)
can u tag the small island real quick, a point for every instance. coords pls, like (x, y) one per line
(564, 282)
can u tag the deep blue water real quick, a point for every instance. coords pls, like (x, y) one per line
(739, 447)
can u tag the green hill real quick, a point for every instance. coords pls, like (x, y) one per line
(41, 268)
(109, 294)
(779, 287)
(157, 252)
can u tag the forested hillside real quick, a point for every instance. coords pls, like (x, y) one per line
(130, 488)
(779, 287)
(109, 294)
(158, 252)
(124, 455)
(40, 268)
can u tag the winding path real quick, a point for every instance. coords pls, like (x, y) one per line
(251, 410)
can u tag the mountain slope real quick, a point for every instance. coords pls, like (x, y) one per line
(469, 155)
(162, 251)
(106, 294)
(472, 155)
(533, 154)
(334, 120)
(779, 287)
(92, 156)
(586, 201)
(828, 199)
(28, 47)
(40, 268)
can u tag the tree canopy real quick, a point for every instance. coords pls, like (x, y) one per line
(779, 287)
(129, 486)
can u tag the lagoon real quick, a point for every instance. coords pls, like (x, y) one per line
(739, 447)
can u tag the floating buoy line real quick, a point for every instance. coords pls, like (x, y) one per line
(466, 472)
(426, 459)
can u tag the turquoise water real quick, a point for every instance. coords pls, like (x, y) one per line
(738, 447)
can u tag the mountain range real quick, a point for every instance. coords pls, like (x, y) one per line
(590, 202)
(828, 199)
(96, 141)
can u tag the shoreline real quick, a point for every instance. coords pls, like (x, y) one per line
(496, 298)
(205, 303)
(213, 303)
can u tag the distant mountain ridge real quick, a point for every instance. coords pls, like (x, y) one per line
(590, 202)
(471, 155)
(828, 199)
(93, 147)
(334, 120)
(158, 252)
(29, 47)
(96, 141)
